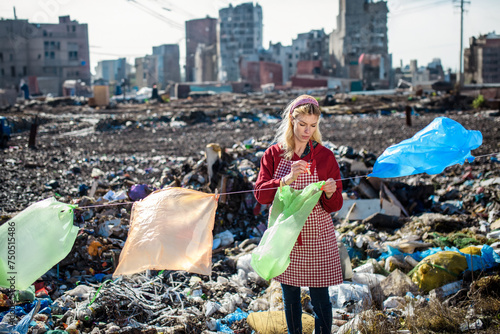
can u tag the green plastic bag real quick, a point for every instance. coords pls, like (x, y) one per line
(288, 215)
(34, 241)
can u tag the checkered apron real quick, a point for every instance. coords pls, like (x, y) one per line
(315, 259)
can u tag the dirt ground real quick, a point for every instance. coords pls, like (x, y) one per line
(155, 144)
(71, 136)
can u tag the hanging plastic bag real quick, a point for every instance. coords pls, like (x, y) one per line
(287, 217)
(442, 143)
(170, 229)
(34, 241)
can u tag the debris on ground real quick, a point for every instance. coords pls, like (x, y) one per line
(424, 249)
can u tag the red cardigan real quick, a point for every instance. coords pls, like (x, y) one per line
(326, 166)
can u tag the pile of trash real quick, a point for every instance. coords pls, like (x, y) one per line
(401, 257)
(421, 248)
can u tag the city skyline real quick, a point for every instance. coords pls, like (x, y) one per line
(133, 27)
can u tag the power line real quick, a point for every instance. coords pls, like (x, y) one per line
(157, 15)
(422, 7)
(433, 47)
(169, 6)
(117, 54)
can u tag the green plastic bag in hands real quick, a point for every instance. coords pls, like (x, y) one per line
(34, 241)
(288, 215)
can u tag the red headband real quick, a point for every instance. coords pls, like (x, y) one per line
(304, 100)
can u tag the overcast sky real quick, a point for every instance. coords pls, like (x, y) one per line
(417, 29)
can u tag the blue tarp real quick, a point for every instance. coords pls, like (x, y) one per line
(488, 259)
(442, 143)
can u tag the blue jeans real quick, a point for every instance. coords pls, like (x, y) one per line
(322, 307)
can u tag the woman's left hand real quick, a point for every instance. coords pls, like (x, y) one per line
(329, 187)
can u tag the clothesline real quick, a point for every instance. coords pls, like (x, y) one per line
(251, 190)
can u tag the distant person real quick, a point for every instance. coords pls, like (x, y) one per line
(26, 90)
(118, 90)
(297, 160)
(154, 94)
(408, 111)
(1, 136)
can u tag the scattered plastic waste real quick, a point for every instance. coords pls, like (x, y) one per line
(454, 211)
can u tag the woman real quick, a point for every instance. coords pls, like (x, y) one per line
(298, 159)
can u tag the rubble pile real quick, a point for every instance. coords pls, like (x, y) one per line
(103, 160)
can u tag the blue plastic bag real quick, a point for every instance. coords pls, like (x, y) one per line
(223, 325)
(442, 143)
(23, 325)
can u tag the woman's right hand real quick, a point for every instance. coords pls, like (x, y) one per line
(298, 167)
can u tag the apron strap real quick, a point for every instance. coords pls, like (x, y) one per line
(313, 162)
(311, 168)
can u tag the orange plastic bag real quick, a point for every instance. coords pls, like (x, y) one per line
(170, 229)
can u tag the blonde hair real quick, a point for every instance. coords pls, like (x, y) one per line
(284, 133)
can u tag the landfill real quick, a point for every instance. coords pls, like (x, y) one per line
(421, 252)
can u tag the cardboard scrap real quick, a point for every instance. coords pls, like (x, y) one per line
(366, 207)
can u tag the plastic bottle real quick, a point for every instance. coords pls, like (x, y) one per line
(446, 290)
(84, 314)
(411, 261)
(345, 261)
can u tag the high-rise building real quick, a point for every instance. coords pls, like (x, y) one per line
(482, 59)
(146, 71)
(311, 46)
(240, 36)
(201, 37)
(168, 63)
(43, 54)
(361, 29)
(206, 63)
(112, 71)
(282, 55)
(161, 68)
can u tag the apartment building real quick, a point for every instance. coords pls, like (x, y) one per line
(482, 59)
(161, 68)
(112, 71)
(282, 55)
(201, 42)
(43, 55)
(169, 69)
(240, 37)
(311, 46)
(146, 71)
(206, 64)
(361, 29)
